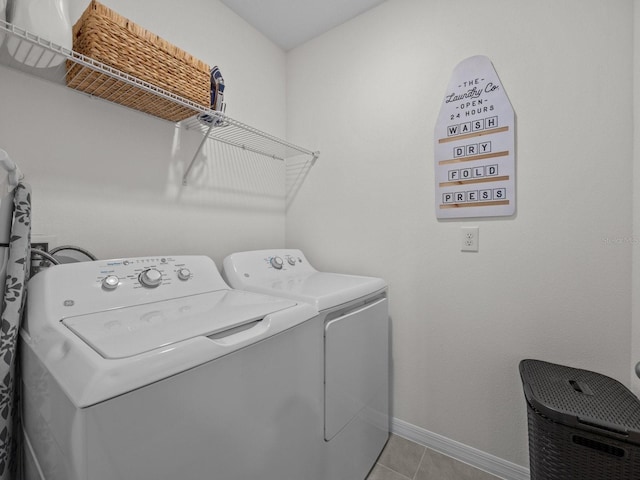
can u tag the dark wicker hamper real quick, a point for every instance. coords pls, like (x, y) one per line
(582, 425)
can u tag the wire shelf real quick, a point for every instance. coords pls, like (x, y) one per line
(39, 57)
(221, 128)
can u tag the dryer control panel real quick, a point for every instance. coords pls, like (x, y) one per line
(267, 263)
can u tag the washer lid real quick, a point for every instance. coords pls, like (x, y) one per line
(129, 331)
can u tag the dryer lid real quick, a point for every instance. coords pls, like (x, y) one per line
(287, 273)
(325, 290)
(125, 332)
(322, 289)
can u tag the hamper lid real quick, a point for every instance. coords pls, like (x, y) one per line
(581, 399)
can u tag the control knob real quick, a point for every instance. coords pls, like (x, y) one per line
(184, 274)
(291, 260)
(276, 262)
(150, 278)
(110, 282)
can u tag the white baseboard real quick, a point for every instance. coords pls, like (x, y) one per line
(464, 453)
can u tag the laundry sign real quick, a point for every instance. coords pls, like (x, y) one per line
(475, 145)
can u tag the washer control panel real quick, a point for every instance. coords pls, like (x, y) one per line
(85, 287)
(146, 272)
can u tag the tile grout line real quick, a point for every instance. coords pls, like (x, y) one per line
(424, 452)
(394, 471)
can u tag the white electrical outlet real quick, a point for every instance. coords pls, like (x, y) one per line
(469, 239)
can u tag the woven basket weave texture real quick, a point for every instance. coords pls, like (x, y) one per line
(112, 39)
(593, 432)
(559, 452)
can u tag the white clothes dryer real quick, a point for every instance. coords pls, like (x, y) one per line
(355, 323)
(153, 369)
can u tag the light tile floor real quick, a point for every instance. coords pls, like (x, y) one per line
(403, 459)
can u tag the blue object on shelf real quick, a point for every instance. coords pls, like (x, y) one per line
(217, 99)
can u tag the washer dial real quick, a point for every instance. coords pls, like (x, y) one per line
(150, 278)
(184, 274)
(110, 282)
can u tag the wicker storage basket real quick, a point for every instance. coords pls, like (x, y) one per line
(582, 425)
(109, 38)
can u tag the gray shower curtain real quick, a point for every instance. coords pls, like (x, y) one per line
(12, 307)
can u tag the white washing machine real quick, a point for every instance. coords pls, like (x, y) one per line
(153, 369)
(354, 314)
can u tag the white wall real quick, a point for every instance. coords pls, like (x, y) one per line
(554, 281)
(109, 178)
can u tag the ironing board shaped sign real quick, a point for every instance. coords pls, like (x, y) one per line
(474, 145)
